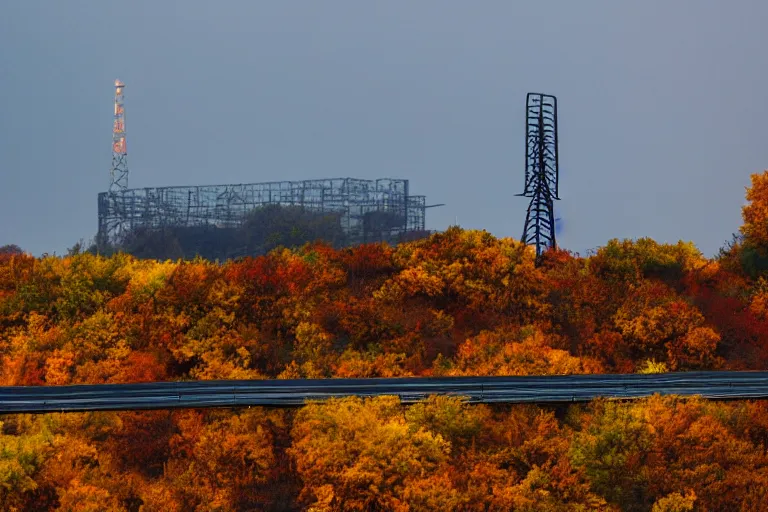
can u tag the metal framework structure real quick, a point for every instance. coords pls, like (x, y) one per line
(369, 210)
(119, 171)
(541, 171)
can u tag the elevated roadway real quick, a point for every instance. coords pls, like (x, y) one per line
(293, 393)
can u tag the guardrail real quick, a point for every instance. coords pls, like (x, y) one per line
(294, 393)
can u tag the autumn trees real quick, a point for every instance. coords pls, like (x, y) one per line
(157, 460)
(442, 454)
(661, 454)
(459, 302)
(661, 451)
(455, 303)
(373, 454)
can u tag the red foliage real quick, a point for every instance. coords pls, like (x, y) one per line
(368, 261)
(141, 367)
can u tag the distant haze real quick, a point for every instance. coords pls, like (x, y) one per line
(662, 106)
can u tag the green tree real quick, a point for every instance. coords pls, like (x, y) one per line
(273, 225)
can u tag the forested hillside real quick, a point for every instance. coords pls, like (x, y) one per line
(457, 303)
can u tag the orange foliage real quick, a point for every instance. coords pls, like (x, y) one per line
(527, 352)
(755, 214)
(456, 303)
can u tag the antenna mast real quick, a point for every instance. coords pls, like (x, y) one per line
(541, 171)
(119, 172)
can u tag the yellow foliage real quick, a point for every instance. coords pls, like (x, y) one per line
(499, 353)
(651, 366)
(58, 368)
(147, 277)
(755, 214)
(21, 457)
(97, 337)
(366, 452)
(216, 365)
(355, 364)
(675, 502)
(39, 335)
(656, 323)
(631, 260)
(474, 268)
(82, 497)
(313, 343)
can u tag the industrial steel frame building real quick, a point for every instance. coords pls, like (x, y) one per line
(369, 210)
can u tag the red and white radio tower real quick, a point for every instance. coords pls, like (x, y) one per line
(119, 172)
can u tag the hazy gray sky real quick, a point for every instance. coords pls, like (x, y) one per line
(662, 106)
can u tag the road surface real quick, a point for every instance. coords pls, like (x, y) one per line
(293, 393)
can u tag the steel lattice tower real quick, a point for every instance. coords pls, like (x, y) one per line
(110, 229)
(119, 172)
(541, 171)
